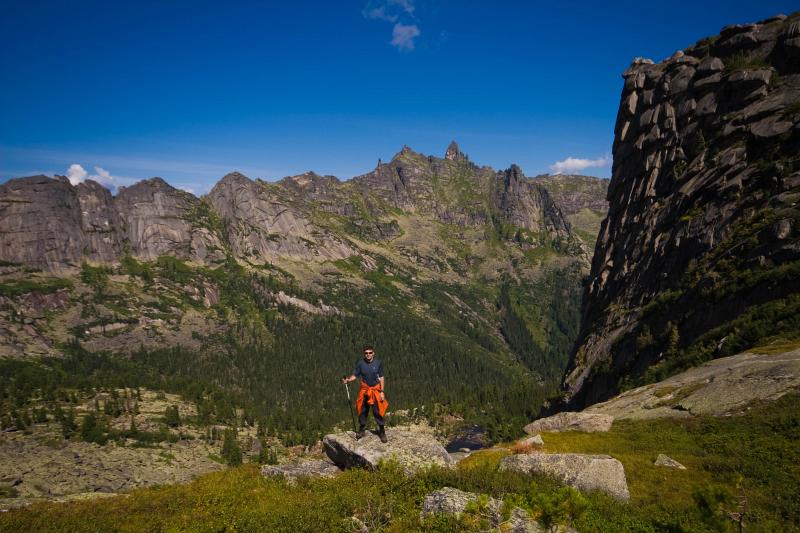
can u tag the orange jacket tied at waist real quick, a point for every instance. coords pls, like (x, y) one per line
(373, 396)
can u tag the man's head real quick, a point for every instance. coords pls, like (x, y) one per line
(369, 353)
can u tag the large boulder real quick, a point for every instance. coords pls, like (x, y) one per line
(584, 472)
(290, 472)
(569, 421)
(448, 500)
(413, 447)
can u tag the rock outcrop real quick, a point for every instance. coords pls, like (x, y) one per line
(703, 224)
(569, 421)
(292, 472)
(669, 462)
(583, 472)
(720, 387)
(413, 447)
(534, 441)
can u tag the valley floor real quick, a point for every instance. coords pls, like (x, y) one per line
(737, 465)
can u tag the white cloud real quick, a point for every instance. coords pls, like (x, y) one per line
(77, 174)
(102, 174)
(403, 36)
(574, 164)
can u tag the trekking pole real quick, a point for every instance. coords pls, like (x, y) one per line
(350, 404)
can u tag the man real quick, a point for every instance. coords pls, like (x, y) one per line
(370, 371)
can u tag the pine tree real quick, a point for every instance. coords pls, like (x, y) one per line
(68, 425)
(231, 452)
(172, 417)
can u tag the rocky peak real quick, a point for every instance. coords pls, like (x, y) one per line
(310, 181)
(453, 153)
(234, 177)
(512, 176)
(158, 220)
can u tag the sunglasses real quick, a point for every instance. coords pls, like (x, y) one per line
(369, 353)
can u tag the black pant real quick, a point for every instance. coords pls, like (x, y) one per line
(362, 416)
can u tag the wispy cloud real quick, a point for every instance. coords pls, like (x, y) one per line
(403, 36)
(575, 164)
(379, 13)
(401, 14)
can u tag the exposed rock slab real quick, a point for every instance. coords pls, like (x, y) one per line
(413, 447)
(291, 472)
(571, 421)
(584, 472)
(719, 387)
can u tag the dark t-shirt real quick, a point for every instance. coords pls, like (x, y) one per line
(369, 372)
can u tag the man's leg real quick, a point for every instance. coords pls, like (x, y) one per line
(379, 419)
(362, 419)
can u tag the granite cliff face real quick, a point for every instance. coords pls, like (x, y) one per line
(47, 223)
(698, 256)
(157, 221)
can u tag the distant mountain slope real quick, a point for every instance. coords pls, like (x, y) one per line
(582, 199)
(700, 254)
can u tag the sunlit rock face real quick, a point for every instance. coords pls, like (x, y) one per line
(704, 188)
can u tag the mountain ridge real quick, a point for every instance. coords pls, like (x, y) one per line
(144, 218)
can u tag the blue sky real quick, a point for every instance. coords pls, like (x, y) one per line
(192, 90)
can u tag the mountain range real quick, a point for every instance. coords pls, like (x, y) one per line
(489, 263)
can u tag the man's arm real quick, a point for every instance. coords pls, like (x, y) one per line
(381, 379)
(352, 377)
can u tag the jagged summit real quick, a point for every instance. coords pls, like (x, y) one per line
(232, 178)
(154, 183)
(453, 153)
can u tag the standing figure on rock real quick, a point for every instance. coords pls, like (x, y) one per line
(370, 371)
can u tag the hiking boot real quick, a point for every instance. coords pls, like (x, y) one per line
(382, 436)
(360, 434)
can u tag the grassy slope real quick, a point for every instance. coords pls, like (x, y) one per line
(759, 448)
